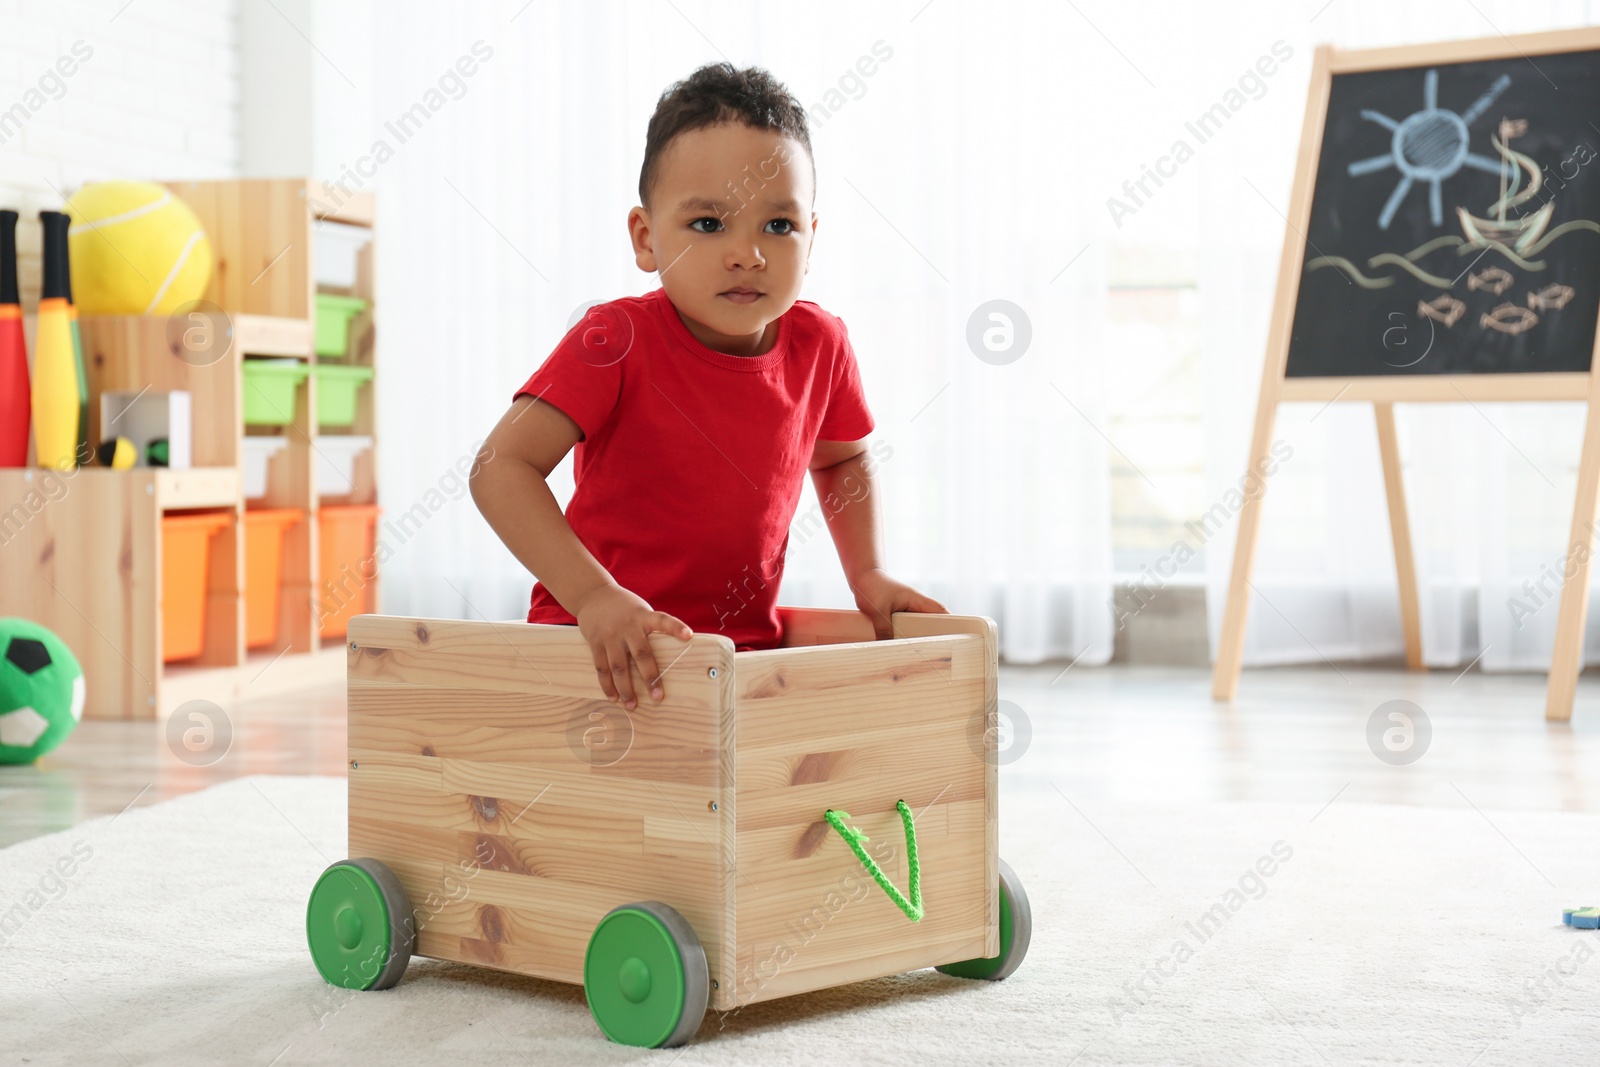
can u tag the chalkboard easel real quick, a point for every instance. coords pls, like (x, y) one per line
(1443, 244)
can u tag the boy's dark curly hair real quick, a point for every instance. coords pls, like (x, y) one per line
(715, 94)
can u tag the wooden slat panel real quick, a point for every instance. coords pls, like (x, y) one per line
(573, 784)
(823, 626)
(655, 743)
(518, 657)
(848, 687)
(567, 811)
(470, 764)
(781, 767)
(855, 727)
(916, 624)
(806, 969)
(567, 860)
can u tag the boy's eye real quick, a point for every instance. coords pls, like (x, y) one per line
(788, 225)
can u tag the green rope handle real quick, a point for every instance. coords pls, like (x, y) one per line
(854, 837)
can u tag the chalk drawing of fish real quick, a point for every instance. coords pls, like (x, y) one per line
(1493, 279)
(1552, 297)
(1509, 318)
(1444, 308)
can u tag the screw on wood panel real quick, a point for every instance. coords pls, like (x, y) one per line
(715, 984)
(712, 672)
(353, 763)
(353, 646)
(713, 805)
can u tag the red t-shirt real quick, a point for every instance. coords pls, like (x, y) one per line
(692, 460)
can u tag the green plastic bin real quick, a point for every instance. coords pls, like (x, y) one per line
(336, 393)
(269, 386)
(334, 313)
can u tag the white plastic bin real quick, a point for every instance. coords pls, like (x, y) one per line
(337, 462)
(258, 453)
(338, 244)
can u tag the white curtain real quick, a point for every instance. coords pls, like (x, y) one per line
(950, 176)
(1489, 486)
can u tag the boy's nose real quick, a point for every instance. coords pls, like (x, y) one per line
(747, 258)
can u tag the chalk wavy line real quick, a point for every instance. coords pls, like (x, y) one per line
(1525, 264)
(1405, 264)
(1566, 227)
(1423, 249)
(1349, 268)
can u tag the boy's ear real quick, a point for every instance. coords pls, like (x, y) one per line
(639, 234)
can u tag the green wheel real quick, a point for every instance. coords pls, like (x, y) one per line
(645, 976)
(1016, 930)
(359, 925)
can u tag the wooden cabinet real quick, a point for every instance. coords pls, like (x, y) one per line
(80, 551)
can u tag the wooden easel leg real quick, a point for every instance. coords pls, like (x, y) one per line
(1230, 642)
(1567, 659)
(1405, 564)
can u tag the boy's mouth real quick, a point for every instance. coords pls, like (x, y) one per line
(742, 295)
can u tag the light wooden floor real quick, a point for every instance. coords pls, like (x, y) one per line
(1098, 734)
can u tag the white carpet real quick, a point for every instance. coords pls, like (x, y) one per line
(1393, 935)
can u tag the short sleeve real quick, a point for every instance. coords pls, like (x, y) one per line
(847, 417)
(583, 375)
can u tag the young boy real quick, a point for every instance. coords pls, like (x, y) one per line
(695, 409)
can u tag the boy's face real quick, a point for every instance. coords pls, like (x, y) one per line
(731, 210)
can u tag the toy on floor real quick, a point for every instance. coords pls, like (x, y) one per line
(1583, 918)
(41, 691)
(693, 853)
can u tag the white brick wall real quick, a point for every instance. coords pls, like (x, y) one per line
(157, 98)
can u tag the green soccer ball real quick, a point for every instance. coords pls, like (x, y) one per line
(41, 691)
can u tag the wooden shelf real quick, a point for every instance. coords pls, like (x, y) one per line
(82, 549)
(357, 209)
(271, 335)
(197, 487)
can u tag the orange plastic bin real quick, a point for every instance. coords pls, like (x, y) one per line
(185, 563)
(263, 568)
(348, 563)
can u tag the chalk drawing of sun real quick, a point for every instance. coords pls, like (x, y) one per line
(1429, 146)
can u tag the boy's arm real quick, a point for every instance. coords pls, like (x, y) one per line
(842, 472)
(509, 487)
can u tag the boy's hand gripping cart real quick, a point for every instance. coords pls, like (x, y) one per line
(786, 820)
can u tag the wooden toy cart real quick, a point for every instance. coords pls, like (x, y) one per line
(504, 813)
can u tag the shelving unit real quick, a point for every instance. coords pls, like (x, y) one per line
(86, 561)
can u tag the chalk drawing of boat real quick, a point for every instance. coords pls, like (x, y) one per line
(1517, 233)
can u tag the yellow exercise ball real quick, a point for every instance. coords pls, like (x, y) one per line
(136, 249)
